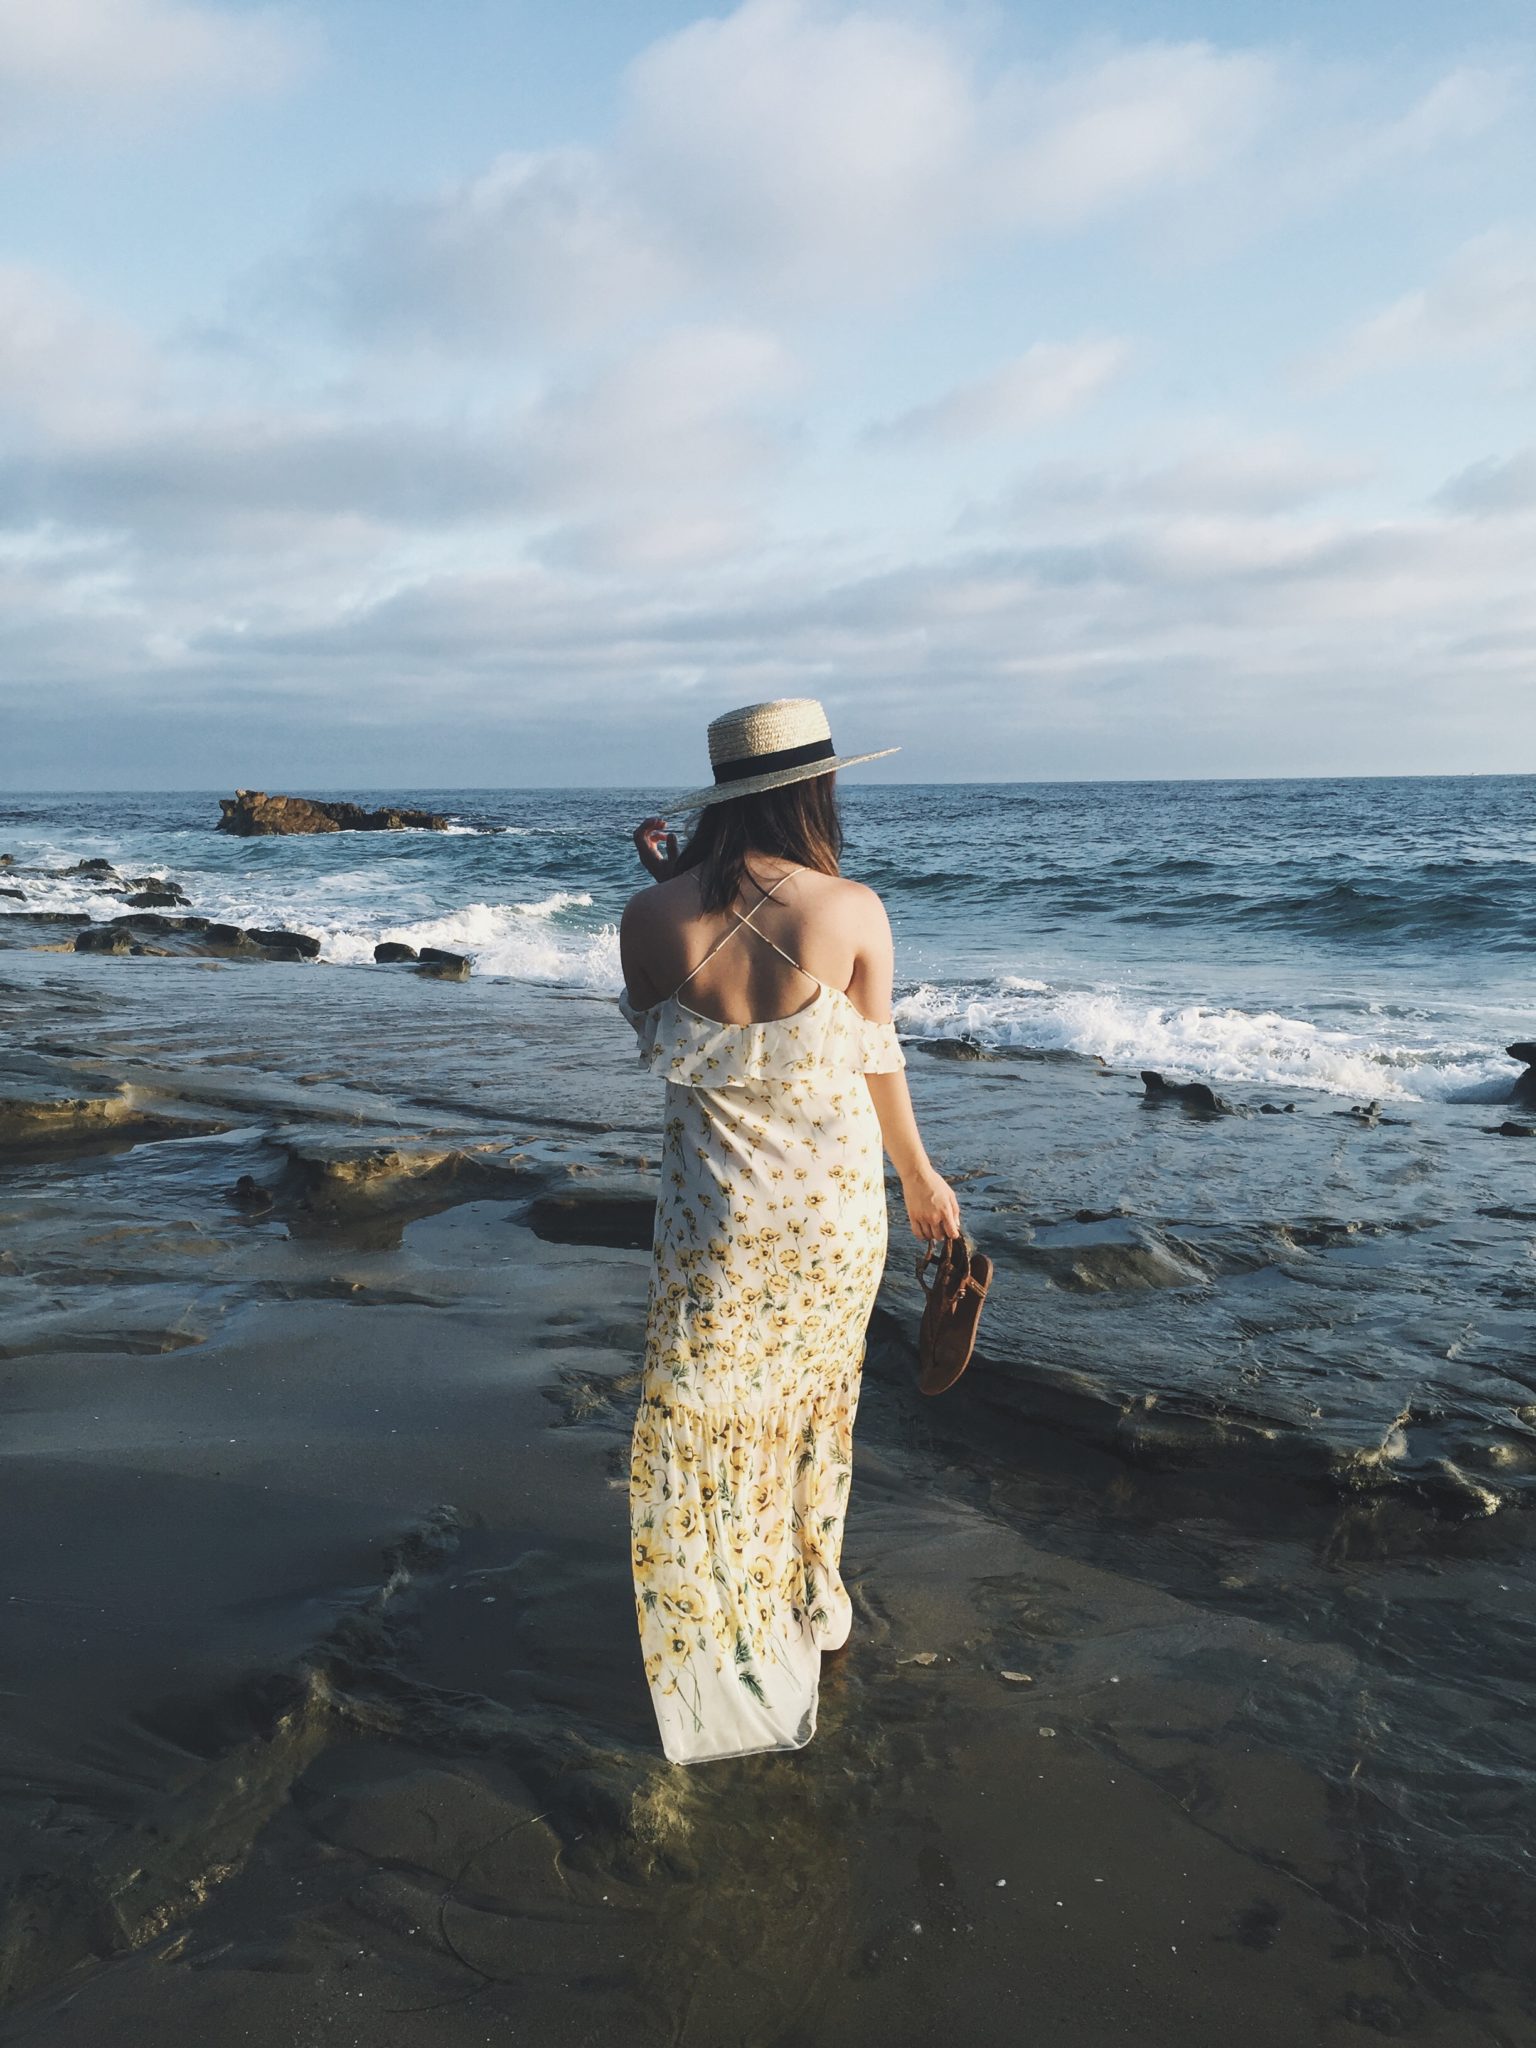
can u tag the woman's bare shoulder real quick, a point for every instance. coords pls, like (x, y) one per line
(661, 903)
(853, 906)
(857, 898)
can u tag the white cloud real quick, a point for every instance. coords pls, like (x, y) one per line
(790, 152)
(690, 408)
(1493, 488)
(1238, 479)
(663, 454)
(65, 368)
(797, 154)
(133, 59)
(1050, 380)
(542, 244)
(1312, 645)
(1333, 146)
(822, 151)
(667, 456)
(1483, 304)
(810, 147)
(206, 481)
(1109, 133)
(1464, 104)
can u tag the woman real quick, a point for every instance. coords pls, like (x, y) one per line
(759, 982)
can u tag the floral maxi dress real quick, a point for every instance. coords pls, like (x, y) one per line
(769, 1244)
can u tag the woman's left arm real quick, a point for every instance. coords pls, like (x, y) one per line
(933, 1210)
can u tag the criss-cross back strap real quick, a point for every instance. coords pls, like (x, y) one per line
(744, 922)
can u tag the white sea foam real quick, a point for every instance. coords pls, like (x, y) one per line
(509, 939)
(71, 896)
(1225, 1046)
(551, 906)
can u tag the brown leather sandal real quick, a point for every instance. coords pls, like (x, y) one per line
(952, 1312)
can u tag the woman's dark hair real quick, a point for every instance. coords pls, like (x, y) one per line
(798, 821)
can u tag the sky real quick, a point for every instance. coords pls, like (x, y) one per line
(406, 397)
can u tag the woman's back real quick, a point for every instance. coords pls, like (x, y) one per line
(812, 928)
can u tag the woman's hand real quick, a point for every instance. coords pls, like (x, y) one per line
(657, 848)
(932, 1207)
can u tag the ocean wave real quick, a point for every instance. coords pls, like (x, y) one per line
(551, 906)
(69, 896)
(1312, 898)
(1193, 1040)
(501, 939)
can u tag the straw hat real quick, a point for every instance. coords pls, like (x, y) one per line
(763, 746)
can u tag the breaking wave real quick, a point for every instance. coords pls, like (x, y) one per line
(1222, 1045)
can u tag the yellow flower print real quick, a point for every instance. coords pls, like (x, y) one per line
(684, 1601)
(770, 1238)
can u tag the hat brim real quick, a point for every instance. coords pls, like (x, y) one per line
(776, 778)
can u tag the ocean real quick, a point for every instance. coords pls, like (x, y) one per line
(1365, 938)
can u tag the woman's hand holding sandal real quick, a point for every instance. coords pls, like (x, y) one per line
(933, 1209)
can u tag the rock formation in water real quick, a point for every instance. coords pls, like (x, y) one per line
(1368, 1115)
(285, 944)
(963, 1048)
(193, 937)
(251, 814)
(445, 967)
(1196, 1095)
(1524, 1090)
(158, 896)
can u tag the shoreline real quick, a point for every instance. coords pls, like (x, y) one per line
(342, 1479)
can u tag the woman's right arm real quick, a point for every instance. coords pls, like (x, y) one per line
(657, 848)
(635, 946)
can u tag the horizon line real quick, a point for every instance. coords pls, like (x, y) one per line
(641, 788)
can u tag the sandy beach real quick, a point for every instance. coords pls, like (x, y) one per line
(323, 1718)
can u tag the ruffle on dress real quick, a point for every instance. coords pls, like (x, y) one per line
(829, 1037)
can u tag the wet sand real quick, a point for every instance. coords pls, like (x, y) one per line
(321, 1717)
